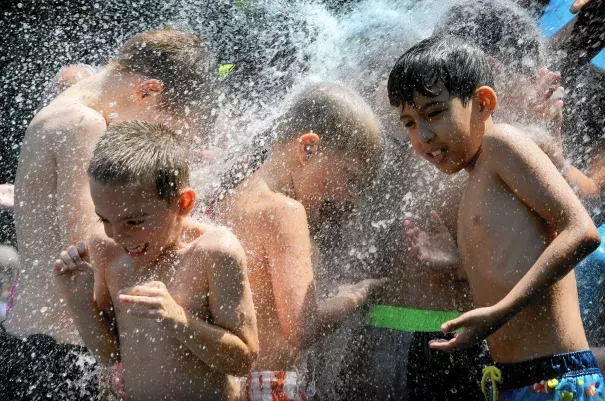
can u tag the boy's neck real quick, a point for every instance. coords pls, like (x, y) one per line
(488, 127)
(102, 92)
(276, 173)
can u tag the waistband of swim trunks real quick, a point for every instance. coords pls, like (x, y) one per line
(405, 319)
(526, 373)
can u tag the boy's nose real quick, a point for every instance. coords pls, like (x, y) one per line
(426, 135)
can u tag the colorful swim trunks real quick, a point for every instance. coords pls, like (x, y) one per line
(275, 386)
(574, 376)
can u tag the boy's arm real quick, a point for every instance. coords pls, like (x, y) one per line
(528, 172)
(84, 289)
(229, 343)
(288, 249)
(78, 134)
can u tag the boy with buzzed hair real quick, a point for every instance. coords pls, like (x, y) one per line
(157, 290)
(163, 76)
(521, 229)
(326, 148)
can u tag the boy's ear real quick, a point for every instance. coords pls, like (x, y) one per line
(148, 89)
(486, 99)
(186, 201)
(307, 146)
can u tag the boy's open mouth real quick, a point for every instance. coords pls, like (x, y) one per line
(438, 155)
(137, 250)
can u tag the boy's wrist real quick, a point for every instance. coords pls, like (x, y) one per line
(179, 323)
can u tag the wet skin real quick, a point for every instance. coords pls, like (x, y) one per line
(519, 226)
(53, 208)
(178, 293)
(268, 213)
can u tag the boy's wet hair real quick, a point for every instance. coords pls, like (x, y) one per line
(340, 117)
(180, 60)
(141, 153)
(502, 30)
(461, 66)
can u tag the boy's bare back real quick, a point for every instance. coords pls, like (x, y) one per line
(501, 237)
(51, 194)
(200, 278)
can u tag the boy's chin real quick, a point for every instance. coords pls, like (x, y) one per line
(449, 168)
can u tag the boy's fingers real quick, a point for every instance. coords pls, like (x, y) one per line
(148, 302)
(69, 263)
(140, 312)
(83, 251)
(578, 5)
(141, 290)
(75, 255)
(437, 222)
(454, 324)
(444, 345)
(59, 267)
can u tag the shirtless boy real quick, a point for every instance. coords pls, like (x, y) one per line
(521, 229)
(53, 206)
(326, 148)
(167, 296)
(156, 76)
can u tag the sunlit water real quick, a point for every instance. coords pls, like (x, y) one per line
(277, 47)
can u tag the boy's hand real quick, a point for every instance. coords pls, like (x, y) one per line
(7, 196)
(152, 300)
(74, 272)
(361, 291)
(435, 248)
(578, 5)
(547, 105)
(477, 325)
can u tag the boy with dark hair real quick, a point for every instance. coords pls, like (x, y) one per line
(521, 229)
(166, 294)
(326, 147)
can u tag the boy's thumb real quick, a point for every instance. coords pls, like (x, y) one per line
(453, 325)
(83, 251)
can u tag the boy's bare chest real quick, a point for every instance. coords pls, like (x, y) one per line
(489, 215)
(186, 283)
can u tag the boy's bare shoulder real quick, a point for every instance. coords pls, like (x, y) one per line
(217, 243)
(505, 138)
(278, 209)
(100, 246)
(58, 122)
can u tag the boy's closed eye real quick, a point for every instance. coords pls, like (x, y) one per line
(434, 113)
(135, 223)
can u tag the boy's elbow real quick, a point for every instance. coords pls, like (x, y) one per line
(244, 363)
(591, 239)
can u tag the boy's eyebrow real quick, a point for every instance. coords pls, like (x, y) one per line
(421, 109)
(429, 104)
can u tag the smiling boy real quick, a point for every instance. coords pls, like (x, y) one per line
(165, 295)
(521, 229)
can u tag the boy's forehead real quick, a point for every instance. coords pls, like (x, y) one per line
(420, 100)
